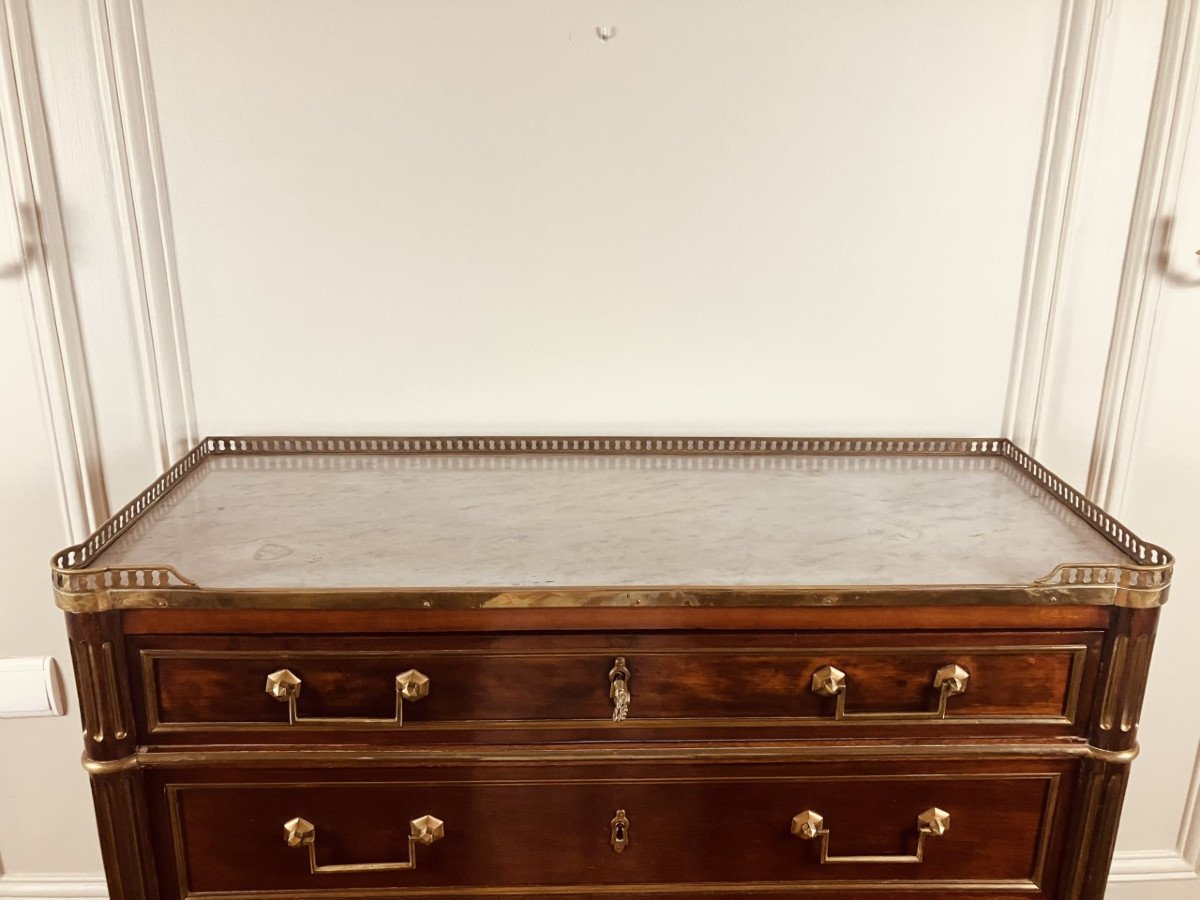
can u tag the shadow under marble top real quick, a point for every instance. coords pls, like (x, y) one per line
(441, 521)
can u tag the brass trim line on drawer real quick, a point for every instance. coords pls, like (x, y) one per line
(1076, 667)
(298, 757)
(942, 888)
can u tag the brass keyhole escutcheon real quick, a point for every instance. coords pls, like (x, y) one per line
(619, 832)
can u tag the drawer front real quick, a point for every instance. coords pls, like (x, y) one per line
(392, 690)
(695, 829)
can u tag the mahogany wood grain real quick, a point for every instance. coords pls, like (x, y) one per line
(864, 618)
(211, 688)
(123, 814)
(693, 828)
(106, 709)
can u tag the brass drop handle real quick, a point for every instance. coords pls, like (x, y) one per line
(284, 686)
(829, 681)
(810, 825)
(303, 833)
(618, 689)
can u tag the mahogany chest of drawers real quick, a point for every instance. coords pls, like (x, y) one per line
(429, 667)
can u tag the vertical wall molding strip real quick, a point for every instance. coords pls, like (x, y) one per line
(1174, 99)
(1145, 253)
(1071, 83)
(1130, 348)
(58, 341)
(131, 117)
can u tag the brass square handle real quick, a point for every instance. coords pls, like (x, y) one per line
(300, 832)
(810, 825)
(948, 681)
(285, 684)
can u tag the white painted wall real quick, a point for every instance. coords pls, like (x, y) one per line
(411, 216)
(458, 216)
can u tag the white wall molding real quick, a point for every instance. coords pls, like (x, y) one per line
(53, 887)
(58, 341)
(1145, 264)
(1152, 865)
(130, 116)
(1070, 93)
(1144, 269)
(1189, 827)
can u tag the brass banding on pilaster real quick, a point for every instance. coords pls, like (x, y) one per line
(1114, 757)
(111, 766)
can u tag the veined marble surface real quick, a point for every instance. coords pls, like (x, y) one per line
(334, 521)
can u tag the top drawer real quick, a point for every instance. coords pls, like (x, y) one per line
(551, 687)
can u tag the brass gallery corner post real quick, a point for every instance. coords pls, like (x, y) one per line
(883, 647)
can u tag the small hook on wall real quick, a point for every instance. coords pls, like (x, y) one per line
(606, 32)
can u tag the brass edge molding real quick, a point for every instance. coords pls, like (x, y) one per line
(634, 597)
(936, 887)
(1142, 583)
(602, 651)
(441, 756)
(607, 723)
(101, 767)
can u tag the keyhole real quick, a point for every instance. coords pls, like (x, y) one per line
(619, 836)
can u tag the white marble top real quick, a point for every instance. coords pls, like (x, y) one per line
(346, 521)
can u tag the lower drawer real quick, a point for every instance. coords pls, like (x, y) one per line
(961, 829)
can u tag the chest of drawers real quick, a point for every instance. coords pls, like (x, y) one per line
(424, 667)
